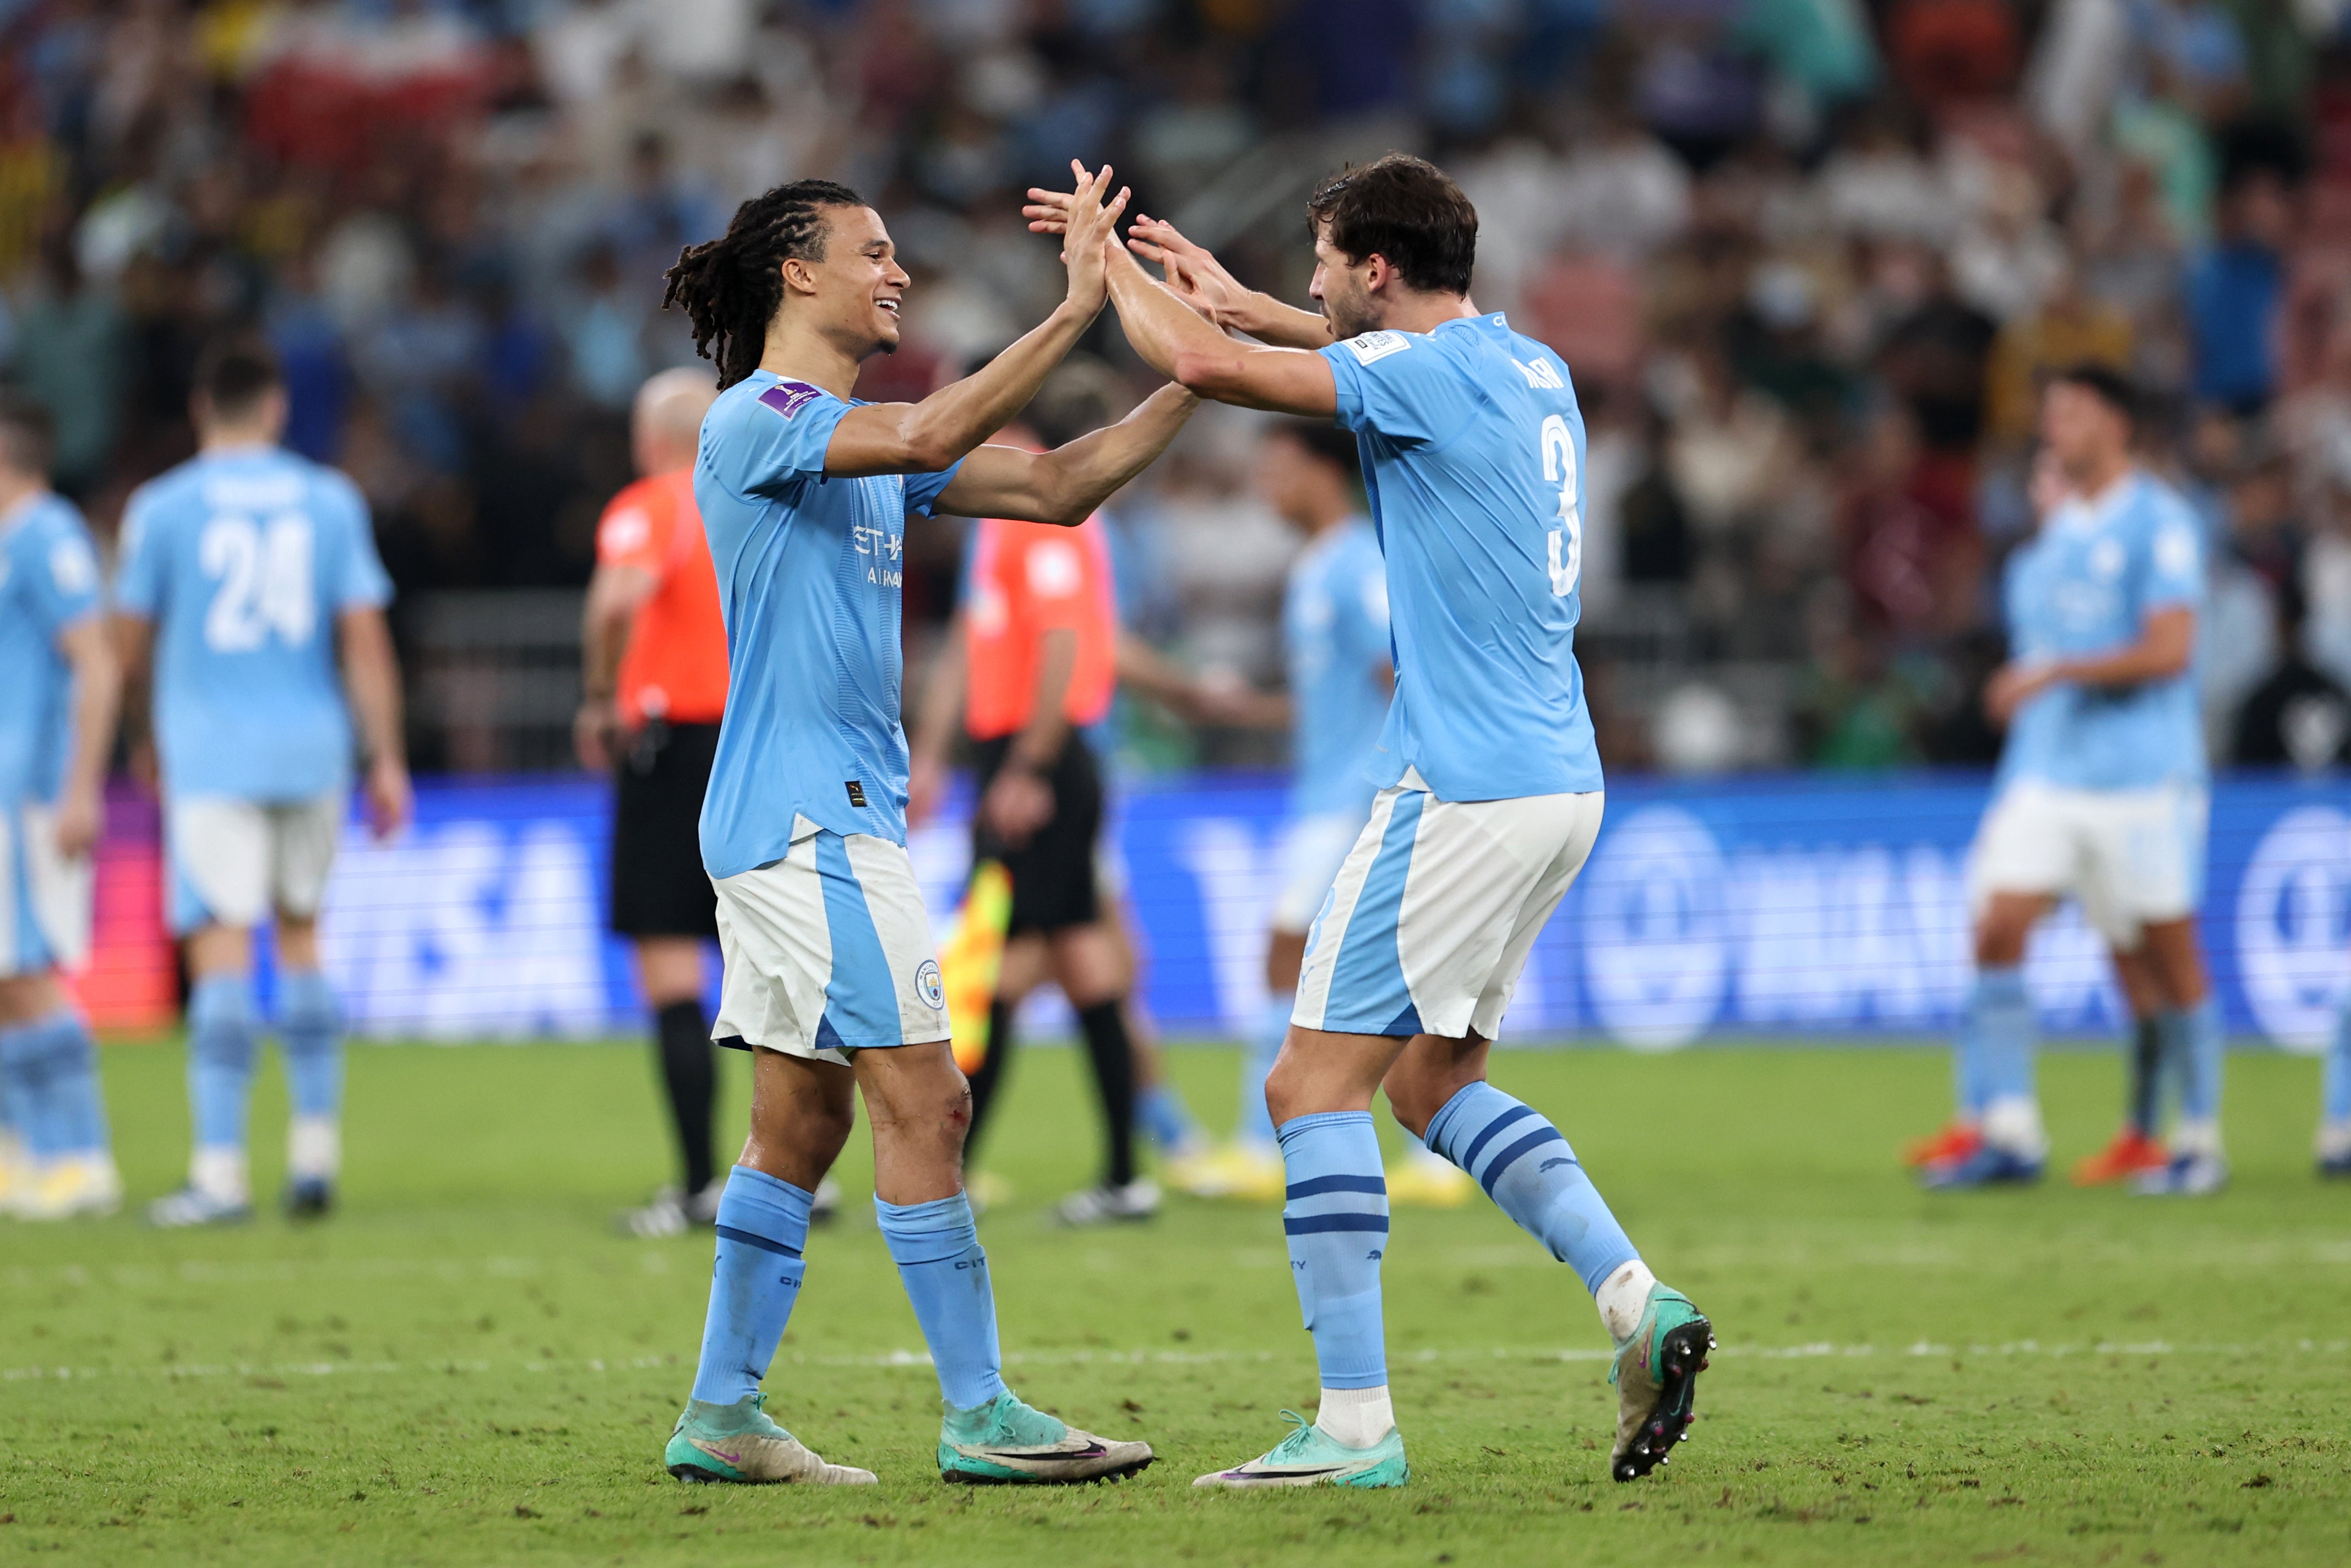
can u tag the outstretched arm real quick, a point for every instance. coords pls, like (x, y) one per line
(1064, 486)
(929, 436)
(97, 691)
(1182, 345)
(1197, 277)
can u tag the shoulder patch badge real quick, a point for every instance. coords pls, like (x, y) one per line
(787, 398)
(1369, 346)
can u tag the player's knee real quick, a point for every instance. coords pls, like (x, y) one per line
(2000, 943)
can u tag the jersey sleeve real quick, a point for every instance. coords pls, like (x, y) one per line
(634, 533)
(776, 440)
(139, 573)
(1399, 386)
(358, 580)
(924, 490)
(1052, 578)
(2173, 572)
(63, 581)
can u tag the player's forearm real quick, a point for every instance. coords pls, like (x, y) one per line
(133, 640)
(1269, 320)
(603, 637)
(1089, 470)
(938, 430)
(371, 680)
(2166, 651)
(97, 704)
(1039, 745)
(1169, 334)
(942, 699)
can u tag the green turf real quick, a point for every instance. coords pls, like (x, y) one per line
(466, 1367)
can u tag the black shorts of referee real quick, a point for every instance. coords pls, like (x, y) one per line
(1052, 873)
(659, 888)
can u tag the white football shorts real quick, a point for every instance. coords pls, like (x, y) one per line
(2132, 858)
(1434, 912)
(1312, 850)
(233, 862)
(44, 898)
(826, 951)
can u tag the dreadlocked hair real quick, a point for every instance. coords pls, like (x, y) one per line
(730, 287)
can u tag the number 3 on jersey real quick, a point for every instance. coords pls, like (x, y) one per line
(1567, 539)
(265, 581)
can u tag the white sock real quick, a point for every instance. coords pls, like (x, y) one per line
(1621, 1297)
(219, 1173)
(2013, 1124)
(1356, 1417)
(314, 1148)
(2334, 1140)
(2200, 1136)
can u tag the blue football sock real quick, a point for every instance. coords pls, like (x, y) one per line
(308, 1019)
(2000, 1015)
(2197, 1049)
(945, 1270)
(74, 1092)
(762, 1230)
(1165, 1119)
(25, 1071)
(1969, 1092)
(1527, 1168)
(1255, 1124)
(2335, 1094)
(221, 1023)
(1336, 1218)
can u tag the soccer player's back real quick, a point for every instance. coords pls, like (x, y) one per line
(57, 729)
(249, 577)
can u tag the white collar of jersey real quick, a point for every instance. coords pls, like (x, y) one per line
(2086, 512)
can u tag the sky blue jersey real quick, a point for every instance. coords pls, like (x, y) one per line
(1473, 461)
(810, 570)
(48, 582)
(2086, 585)
(243, 559)
(1334, 630)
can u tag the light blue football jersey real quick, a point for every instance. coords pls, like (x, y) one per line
(243, 559)
(49, 581)
(1473, 461)
(2086, 585)
(1334, 630)
(810, 570)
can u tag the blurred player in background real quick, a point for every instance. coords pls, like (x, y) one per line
(2137, 1146)
(247, 573)
(57, 704)
(1334, 630)
(1472, 446)
(830, 978)
(654, 684)
(2101, 792)
(2335, 1102)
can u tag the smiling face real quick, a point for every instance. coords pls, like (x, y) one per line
(1341, 287)
(854, 290)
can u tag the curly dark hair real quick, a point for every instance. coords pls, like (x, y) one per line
(730, 287)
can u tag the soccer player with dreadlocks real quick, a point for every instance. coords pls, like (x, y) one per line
(830, 978)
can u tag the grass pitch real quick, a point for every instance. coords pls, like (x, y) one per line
(466, 1366)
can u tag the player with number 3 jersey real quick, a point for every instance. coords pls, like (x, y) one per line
(1471, 447)
(249, 576)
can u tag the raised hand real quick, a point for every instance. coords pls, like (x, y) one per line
(1088, 229)
(1196, 277)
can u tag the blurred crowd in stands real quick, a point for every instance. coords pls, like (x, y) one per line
(1804, 258)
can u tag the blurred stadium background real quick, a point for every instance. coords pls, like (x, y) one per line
(1804, 256)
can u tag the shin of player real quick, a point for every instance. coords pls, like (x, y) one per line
(56, 727)
(830, 976)
(1491, 781)
(249, 584)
